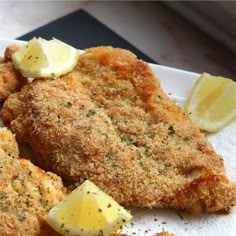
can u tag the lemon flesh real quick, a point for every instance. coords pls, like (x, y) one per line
(41, 58)
(211, 104)
(87, 211)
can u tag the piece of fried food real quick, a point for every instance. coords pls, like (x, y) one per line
(10, 79)
(26, 192)
(109, 121)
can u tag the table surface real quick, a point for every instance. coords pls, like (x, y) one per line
(150, 26)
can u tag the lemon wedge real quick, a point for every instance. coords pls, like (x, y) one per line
(87, 211)
(41, 58)
(211, 104)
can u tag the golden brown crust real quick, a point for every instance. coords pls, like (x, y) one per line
(10, 50)
(109, 121)
(10, 79)
(26, 192)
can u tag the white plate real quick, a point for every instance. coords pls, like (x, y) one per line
(148, 222)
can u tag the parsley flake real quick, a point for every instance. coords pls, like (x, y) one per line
(69, 104)
(171, 130)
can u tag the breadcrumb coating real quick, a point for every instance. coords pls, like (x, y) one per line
(10, 79)
(109, 121)
(26, 192)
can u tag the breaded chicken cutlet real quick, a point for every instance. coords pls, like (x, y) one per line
(26, 192)
(10, 79)
(109, 121)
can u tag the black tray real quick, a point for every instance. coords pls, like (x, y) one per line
(82, 30)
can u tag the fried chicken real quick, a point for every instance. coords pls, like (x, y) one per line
(26, 192)
(109, 121)
(10, 79)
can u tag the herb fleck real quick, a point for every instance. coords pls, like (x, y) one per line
(22, 218)
(93, 95)
(91, 113)
(129, 142)
(180, 216)
(186, 138)
(108, 155)
(171, 130)
(69, 104)
(89, 128)
(135, 98)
